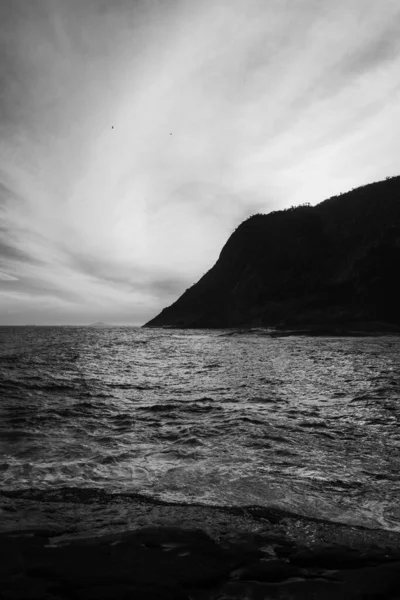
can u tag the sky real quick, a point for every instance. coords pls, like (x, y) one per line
(135, 135)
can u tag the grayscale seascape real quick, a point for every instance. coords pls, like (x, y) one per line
(199, 300)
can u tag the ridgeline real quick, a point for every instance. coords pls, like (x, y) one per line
(331, 267)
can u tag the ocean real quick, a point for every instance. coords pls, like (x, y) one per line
(212, 417)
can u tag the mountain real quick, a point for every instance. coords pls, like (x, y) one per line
(333, 265)
(99, 324)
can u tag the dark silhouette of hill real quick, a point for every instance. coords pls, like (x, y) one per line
(334, 265)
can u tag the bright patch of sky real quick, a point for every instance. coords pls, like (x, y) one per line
(135, 136)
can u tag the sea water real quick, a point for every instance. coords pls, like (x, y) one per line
(227, 418)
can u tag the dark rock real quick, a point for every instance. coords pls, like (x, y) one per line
(150, 563)
(270, 571)
(283, 551)
(375, 583)
(175, 564)
(327, 269)
(337, 557)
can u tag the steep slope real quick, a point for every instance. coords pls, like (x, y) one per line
(336, 263)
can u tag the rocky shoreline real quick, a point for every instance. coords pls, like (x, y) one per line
(372, 329)
(196, 552)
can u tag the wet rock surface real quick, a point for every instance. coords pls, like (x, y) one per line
(294, 559)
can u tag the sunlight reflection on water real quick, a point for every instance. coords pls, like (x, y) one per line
(307, 424)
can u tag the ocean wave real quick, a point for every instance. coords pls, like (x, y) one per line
(239, 420)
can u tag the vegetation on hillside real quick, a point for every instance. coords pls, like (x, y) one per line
(334, 263)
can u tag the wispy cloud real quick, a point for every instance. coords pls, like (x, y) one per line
(7, 277)
(134, 136)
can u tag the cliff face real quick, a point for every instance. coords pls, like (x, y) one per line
(332, 264)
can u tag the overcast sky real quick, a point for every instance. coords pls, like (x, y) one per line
(136, 135)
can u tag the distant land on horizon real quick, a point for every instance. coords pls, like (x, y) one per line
(100, 324)
(329, 267)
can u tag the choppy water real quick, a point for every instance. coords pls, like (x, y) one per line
(306, 424)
